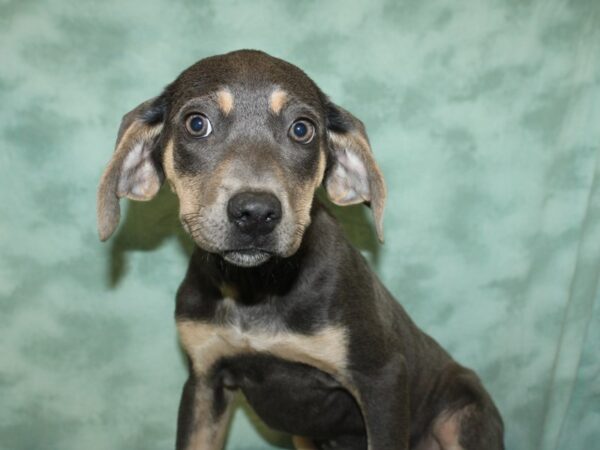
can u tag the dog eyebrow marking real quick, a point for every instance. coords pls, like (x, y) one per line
(206, 343)
(277, 100)
(225, 100)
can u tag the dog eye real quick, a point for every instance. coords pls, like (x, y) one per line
(198, 125)
(302, 131)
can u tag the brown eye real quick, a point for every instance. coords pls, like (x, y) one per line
(198, 125)
(302, 131)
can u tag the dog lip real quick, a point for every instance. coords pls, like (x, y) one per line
(247, 250)
(247, 257)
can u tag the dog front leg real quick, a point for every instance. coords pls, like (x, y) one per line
(384, 402)
(204, 414)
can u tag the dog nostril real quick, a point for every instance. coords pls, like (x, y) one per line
(254, 212)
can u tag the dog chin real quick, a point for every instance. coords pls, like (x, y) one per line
(246, 258)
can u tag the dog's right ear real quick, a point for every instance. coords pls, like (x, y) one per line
(133, 171)
(353, 175)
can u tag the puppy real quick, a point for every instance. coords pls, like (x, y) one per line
(276, 302)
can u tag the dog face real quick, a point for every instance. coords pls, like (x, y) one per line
(244, 140)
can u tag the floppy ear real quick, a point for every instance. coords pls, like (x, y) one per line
(132, 172)
(352, 175)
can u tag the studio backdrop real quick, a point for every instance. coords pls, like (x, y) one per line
(484, 116)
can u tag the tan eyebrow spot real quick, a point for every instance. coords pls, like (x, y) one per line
(225, 100)
(277, 100)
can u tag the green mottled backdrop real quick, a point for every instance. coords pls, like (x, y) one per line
(484, 115)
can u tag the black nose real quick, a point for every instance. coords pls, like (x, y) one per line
(254, 212)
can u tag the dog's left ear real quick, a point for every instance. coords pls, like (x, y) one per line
(352, 174)
(133, 171)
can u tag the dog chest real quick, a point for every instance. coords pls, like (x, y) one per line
(206, 343)
(292, 397)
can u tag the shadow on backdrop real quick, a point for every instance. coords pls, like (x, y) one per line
(358, 227)
(145, 227)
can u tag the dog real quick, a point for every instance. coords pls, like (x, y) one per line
(276, 302)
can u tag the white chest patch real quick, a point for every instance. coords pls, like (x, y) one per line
(206, 343)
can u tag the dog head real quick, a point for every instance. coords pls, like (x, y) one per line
(244, 140)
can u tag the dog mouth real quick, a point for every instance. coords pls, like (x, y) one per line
(246, 257)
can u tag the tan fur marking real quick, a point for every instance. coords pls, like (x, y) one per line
(320, 169)
(169, 166)
(302, 198)
(277, 100)
(446, 429)
(305, 192)
(187, 201)
(302, 443)
(168, 163)
(206, 343)
(225, 100)
(208, 435)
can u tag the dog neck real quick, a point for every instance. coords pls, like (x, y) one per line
(276, 277)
